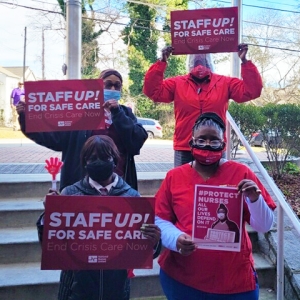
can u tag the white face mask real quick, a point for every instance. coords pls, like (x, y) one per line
(221, 216)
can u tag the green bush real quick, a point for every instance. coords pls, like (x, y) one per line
(283, 121)
(162, 112)
(249, 119)
(291, 168)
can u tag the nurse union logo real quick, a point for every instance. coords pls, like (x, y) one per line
(94, 259)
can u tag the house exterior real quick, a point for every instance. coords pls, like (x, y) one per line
(9, 78)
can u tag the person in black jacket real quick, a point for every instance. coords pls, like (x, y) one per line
(122, 127)
(98, 158)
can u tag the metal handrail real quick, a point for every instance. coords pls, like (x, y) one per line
(283, 207)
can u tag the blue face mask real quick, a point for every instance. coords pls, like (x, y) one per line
(111, 94)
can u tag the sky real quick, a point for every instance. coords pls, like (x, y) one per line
(14, 19)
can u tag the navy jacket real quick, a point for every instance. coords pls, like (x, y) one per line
(95, 284)
(91, 284)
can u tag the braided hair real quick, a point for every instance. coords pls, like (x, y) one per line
(211, 120)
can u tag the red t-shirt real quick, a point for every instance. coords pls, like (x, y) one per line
(212, 271)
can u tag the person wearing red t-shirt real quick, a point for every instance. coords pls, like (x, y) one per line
(188, 272)
(198, 92)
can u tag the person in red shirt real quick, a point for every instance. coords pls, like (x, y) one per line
(188, 272)
(198, 92)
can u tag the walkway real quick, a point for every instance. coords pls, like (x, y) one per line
(21, 157)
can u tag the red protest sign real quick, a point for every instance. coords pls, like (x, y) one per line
(204, 30)
(96, 232)
(64, 105)
(217, 220)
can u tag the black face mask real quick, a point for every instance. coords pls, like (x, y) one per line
(100, 170)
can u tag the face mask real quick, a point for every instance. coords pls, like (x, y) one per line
(206, 157)
(221, 216)
(200, 72)
(100, 170)
(111, 94)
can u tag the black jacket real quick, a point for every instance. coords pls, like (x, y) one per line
(128, 135)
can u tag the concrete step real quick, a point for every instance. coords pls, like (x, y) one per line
(40, 186)
(266, 271)
(146, 282)
(19, 245)
(22, 281)
(20, 212)
(253, 237)
(18, 233)
(264, 294)
(36, 189)
(27, 282)
(20, 252)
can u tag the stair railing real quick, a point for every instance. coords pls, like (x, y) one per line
(282, 207)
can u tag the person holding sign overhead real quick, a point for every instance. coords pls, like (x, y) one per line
(98, 159)
(188, 272)
(199, 91)
(121, 126)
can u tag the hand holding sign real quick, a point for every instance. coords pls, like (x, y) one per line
(166, 52)
(53, 166)
(242, 51)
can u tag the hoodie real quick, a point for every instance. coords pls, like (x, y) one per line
(198, 92)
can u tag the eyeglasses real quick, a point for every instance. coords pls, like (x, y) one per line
(203, 143)
(109, 84)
